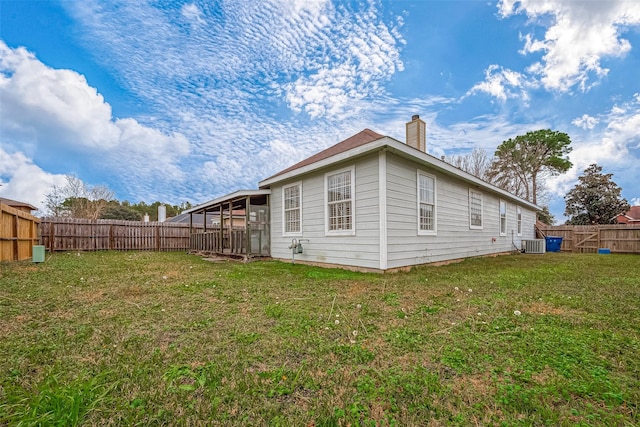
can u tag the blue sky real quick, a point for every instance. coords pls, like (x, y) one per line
(187, 101)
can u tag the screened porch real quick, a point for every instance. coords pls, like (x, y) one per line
(233, 225)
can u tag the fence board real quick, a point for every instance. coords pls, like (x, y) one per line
(18, 234)
(618, 238)
(72, 234)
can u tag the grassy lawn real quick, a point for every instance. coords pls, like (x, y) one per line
(132, 338)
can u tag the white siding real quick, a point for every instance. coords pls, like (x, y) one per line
(359, 250)
(454, 238)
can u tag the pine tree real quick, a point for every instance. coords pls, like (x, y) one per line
(521, 164)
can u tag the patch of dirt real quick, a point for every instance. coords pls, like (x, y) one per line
(545, 376)
(469, 387)
(165, 339)
(211, 299)
(356, 289)
(62, 314)
(134, 291)
(23, 318)
(89, 296)
(216, 259)
(540, 307)
(106, 312)
(171, 274)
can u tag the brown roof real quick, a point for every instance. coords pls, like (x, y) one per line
(633, 214)
(17, 204)
(361, 138)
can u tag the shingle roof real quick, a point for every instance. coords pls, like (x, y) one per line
(17, 204)
(634, 213)
(361, 138)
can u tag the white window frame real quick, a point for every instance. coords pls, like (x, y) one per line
(352, 200)
(284, 209)
(519, 220)
(472, 226)
(502, 216)
(434, 230)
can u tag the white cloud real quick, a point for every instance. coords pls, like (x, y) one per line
(635, 201)
(45, 108)
(24, 181)
(580, 35)
(192, 13)
(38, 100)
(317, 57)
(502, 83)
(609, 149)
(585, 122)
(306, 72)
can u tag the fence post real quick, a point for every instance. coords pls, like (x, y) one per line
(247, 219)
(52, 237)
(158, 237)
(16, 245)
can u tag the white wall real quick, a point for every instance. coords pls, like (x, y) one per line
(454, 238)
(359, 250)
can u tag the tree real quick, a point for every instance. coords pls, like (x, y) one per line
(595, 199)
(78, 199)
(117, 211)
(476, 163)
(521, 164)
(545, 216)
(53, 202)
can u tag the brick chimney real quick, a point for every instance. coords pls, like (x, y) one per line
(417, 133)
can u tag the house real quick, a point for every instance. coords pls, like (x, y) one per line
(214, 220)
(632, 216)
(21, 206)
(374, 203)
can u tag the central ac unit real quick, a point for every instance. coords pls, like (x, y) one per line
(535, 246)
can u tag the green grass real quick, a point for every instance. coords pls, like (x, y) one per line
(142, 338)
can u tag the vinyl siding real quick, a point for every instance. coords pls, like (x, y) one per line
(359, 250)
(454, 237)
(405, 247)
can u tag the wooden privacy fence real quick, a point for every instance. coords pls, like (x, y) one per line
(619, 238)
(70, 234)
(18, 234)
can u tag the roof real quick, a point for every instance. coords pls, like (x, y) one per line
(633, 214)
(17, 204)
(184, 218)
(361, 138)
(369, 141)
(240, 194)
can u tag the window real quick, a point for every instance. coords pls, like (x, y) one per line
(475, 209)
(519, 220)
(426, 204)
(292, 206)
(503, 218)
(339, 202)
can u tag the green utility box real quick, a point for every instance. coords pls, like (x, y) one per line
(38, 253)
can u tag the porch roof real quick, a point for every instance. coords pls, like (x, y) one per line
(231, 197)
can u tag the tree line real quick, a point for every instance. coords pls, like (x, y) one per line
(521, 165)
(77, 199)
